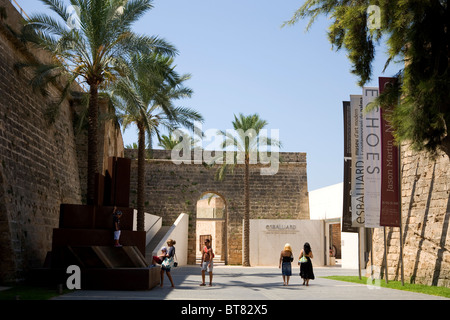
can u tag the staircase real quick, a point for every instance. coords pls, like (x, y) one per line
(218, 260)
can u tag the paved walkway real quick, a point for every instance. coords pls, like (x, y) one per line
(254, 283)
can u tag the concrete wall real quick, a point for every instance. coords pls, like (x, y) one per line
(178, 232)
(152, 224)
(326, 203)
(268, 237)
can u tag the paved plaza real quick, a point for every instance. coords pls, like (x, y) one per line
(253, 283)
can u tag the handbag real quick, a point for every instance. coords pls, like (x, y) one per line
(167, 263)
(175, 263)
(302, 259)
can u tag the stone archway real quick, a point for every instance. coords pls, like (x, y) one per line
(211, 217)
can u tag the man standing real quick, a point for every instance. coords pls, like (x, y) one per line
(207, 262)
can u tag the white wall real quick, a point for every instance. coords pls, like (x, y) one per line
(349, 250)
(178, 232)
(152, 224)
(327, 203)
(268, 237)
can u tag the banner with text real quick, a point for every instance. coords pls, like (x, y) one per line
(390, 203)
(357, 170)
(346, 208)
(372, 158)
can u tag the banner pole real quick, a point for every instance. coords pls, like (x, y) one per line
(385, 257)
(400, 174)
(359, 252)
(371, 232)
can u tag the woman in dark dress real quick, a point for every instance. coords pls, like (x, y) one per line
(306, 268)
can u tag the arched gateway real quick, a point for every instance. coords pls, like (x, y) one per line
(175, 188)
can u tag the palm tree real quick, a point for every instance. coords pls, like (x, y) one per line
(145, 98)
(92, 50)
(168, 142)
(246, 143)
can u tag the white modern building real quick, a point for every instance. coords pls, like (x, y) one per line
(327, 204)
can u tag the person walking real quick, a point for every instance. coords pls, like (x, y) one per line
(207, 262)
(167, 264)
(306, 268)
(286, 257)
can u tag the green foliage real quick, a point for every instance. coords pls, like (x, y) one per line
(416, 33)
(146, 96)
(246, 141)
(92, 50)
(132, 146)
(26, 292)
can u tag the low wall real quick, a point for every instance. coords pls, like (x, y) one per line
(178, 232)
(151, 226)
(268, 237)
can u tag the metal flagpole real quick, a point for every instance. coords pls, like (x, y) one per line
(400, 174)
(385, 257)
(359, 253)
(370, 231)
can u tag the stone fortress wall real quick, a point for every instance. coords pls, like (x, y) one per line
(174, 188)
(41, 165)
(425, 220)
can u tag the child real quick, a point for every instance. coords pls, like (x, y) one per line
(159, 259)
(117, 214)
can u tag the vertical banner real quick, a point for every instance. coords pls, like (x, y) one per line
(357, 169)
(390, 202)
(346, 209)
(372, 159)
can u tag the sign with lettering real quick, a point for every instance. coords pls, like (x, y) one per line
(346, 203)
(357, 170)
(281, 228)
(390, 203)
(372, 158)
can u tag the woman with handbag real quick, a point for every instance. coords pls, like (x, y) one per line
(286, 257)
(306, 268)
(168, 262)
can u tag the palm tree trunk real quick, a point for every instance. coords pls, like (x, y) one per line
(92, 143)
(141, 179)
(246, 262)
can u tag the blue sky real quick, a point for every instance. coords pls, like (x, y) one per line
(242, 61)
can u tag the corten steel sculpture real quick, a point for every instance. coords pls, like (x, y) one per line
(85, 238)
